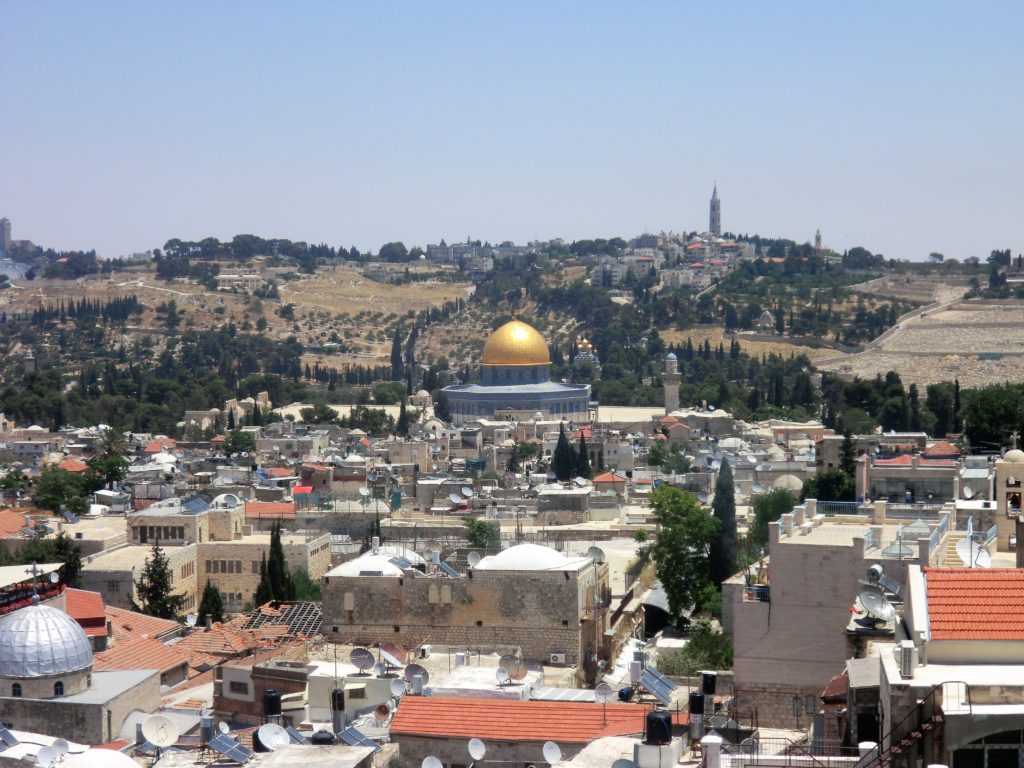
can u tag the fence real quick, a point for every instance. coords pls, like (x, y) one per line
(832, 508)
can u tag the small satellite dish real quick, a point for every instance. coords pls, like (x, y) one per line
(982, 558)
(223, 727)
(397, 687)
(62, 746)
(580, 481)
(415, 670)
(510, 664)
(968, 492)
(473, 558)
(46, 757)
(361, 659)
(753, 460)
(273, 736)
(477, 749)
(381, 713)
(596, 554)
(160, 731)
(380, 669)
(876, 605)
(552, 752)
(390, 658)
(54, 577)
(364, 492)
(191, 619)
(431, 762)
(520, 673)
(603, 693)
(756, 488)
(467, 492)
(502, 676)
(454, 498)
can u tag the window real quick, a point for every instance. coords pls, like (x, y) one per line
(16, 690)
(358, 693)
(255, 566)
(208, 567)
(237, 686)
(238, 566)
(58, 688)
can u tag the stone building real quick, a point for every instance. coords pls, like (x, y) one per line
(527, 596)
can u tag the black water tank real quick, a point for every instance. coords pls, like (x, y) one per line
(271, 703)
(707, 682)
(322, 738)
(337, 700)
(658, 727)
(696, 703)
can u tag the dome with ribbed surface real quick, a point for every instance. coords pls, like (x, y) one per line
(39, 640)
(516, 343)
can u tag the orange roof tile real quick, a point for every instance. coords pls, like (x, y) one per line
(87, 609)
(278, 472)
(941, 448)
(566, 722)
(129, 624)
(140, 653)
(609, 477)
(11, 523)
(73, 465)
(269, 509)
(157, 445)
(975, 603)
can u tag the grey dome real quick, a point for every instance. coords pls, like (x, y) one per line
(39, 640)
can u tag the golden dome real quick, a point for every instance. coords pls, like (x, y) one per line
(516, 343)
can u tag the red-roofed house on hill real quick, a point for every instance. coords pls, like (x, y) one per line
(513, 730)
(953, 691)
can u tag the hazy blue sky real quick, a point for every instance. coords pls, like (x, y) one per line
(894, 126)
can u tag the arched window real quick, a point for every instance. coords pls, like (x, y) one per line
(58, 688)
(16, 690)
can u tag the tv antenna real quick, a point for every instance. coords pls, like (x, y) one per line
(273, 736)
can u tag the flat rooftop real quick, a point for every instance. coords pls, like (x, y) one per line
(126, 558)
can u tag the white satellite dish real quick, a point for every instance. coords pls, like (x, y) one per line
(968, 492)
(54, 577)
(361, 659)
(191, 619)
(431, 762)
(972, 554)
(876, 605)
(467, 491)
(603, 693)
(580, 481)
(477, 749)
(503, 677)
(62, 746)
(415, 670)
(160, 731)
(596, 554)
(46, 757)
(364, 492)
(473, 558)
(223, 727)
(273, 736)
(982, 559)
(397, 687)
(552, 752)
(380, 669)
(454, 498)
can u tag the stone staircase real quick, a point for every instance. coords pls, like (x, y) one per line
(952, 558)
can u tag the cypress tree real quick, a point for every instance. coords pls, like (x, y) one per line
(723, 547)
(563, 462)
(583, 458)
(211, 604)
(154, 588)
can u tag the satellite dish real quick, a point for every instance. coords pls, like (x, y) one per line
(223, 727)
(552, 752)
(467, 492)
(520, 673)
(361, 659)
(968, 492)
(415, 670)
(550, 476)
(191, 619)
(454, 498)
(533, 665)
(753, 460)
(473, 558)
(580, 481)
(477, 749)
(431, 762)
(982, 558)
(397, 687)
(364, 492)
(62, 746)
(596, 554)
(972, 554)
(876, 605)
(390, 658)
(503, 677)
(603, 693)
(380, 669)
(756, 488)
(273, 736)
(510, 664)
(54, 577)
(46, 757)
(160, 731)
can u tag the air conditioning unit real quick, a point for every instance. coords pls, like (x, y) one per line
(558, 658)
(424, 651)
(907, 657)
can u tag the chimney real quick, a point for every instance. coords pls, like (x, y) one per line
(209, 622)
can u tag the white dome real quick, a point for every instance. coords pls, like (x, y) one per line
(368, 564)
(40, 640)
(1016, 456)
(524, 557)
(788, 482)
(225, 501)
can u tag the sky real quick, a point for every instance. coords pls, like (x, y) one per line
(896, 127)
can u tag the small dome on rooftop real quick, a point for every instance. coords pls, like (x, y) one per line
(39, 640)
(1016, 455)
(524, 557)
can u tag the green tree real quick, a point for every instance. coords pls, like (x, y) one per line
(656, 454)
(211, 605)
(830, 485)
(848, 454)
(263, 593)
(397, 360)
(402, 428)
(239, 442)
(153, 588)
(563, 461)
(583, 458)
(723, 549)
(482, 534)
(56, 488)
(275, 579)
(769, 507)
(306, 589)
(319, 414)
(682, 551)
(705, 649)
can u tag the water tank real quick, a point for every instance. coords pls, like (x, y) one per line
(337, 700)
(707, 683)
(322, 738)
(658, 727)
(460, 659)
(271, 703)
(696, 703)
(206, 729)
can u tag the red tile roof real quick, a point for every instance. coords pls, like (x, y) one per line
(157, 445)
(87, 609)
(302, 490)
(73, 465)
(566, 722)
(129, 624)
(941, 448)
(11, 523)
(609, 477)
(836, 690)
(279, 472)
(140, 653)
(975, 603)
(269, 509)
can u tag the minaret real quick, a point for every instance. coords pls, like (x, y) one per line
(817, 241)
(715, 224)
(671, 383)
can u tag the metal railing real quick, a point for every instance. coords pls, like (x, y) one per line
(786, 752)
(832, 508)
(920, 718)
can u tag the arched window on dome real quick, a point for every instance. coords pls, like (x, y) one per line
(58, 688)
(16, 690)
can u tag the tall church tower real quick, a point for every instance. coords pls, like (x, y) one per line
(670, 381)
(817, 241)
(715, 223)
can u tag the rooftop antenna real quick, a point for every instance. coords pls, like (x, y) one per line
(273, 736)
